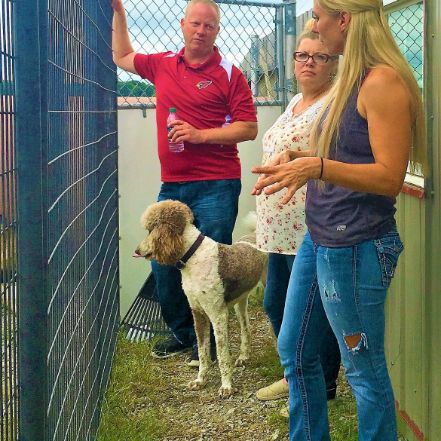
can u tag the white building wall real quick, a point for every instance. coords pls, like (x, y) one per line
(139, 182)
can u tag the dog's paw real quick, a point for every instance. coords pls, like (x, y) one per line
(225, 391)
(241, 362)
(196, 384)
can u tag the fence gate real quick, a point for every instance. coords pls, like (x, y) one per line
(8, 228)
(58, 217)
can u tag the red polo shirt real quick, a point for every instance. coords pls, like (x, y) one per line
(203, 95)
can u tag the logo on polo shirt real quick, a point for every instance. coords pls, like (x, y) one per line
(203, 84)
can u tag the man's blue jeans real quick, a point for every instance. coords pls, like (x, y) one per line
(345, 287)
(279, 271)
(214, 205)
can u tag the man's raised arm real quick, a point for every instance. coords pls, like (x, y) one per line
(123, 53)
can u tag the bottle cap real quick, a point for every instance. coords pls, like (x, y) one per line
(172, 110)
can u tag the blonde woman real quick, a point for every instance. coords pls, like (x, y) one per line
(280, 228)
(371, 125)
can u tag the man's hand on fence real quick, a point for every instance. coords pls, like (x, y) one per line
(118, 6)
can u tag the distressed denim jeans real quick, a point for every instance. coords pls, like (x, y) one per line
(279, 271)
(346, 288)
(214, 205)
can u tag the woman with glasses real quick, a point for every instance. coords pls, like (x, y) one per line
(280, 228)
(371, 124)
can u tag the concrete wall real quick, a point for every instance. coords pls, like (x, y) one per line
(139, 182)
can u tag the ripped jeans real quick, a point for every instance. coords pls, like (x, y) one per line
(348, 287)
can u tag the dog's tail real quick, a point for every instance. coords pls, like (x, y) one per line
(249, 222)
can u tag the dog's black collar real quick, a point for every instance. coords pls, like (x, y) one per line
(183, 260)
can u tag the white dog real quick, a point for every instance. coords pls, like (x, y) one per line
(214, 276)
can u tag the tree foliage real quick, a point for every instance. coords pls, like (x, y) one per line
(135, 88)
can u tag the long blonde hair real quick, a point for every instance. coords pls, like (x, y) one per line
(369, 42)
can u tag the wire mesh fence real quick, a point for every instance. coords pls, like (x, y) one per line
(407, 25)
(8, 230)
(82, 220)
(65, 153)
(251, 37)
(254, 36)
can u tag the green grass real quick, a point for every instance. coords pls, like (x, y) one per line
(8, 258)
(131, 411)
(342, 414)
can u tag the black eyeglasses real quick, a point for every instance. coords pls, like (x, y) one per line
(318, 57)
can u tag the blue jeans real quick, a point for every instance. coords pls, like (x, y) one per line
(214, 205)
(345, 287)
(279, 271)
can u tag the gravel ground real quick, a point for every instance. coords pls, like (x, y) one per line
(202, 415)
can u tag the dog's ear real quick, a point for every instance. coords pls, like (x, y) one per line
(182, 215)
(167, 244)
(148, 218)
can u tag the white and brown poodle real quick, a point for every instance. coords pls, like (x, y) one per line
(214, 276)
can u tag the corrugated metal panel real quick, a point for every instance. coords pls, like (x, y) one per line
(414, 304)
(406, 316)
(433, 98)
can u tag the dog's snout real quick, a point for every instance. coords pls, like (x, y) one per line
(144, 250)
(137, 253)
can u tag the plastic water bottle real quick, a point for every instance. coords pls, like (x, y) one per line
(227, 121)
(175, 147)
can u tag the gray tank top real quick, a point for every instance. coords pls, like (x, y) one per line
(337, 216)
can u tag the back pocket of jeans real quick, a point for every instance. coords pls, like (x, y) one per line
(389, 248)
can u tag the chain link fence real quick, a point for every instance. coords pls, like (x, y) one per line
(252, 37)
(407, 25)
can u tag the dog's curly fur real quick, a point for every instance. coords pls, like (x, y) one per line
(214, 277)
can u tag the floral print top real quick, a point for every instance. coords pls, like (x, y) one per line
(280, 228)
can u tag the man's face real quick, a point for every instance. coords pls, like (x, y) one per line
(200, 28)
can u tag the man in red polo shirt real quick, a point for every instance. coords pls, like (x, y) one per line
(205, 89)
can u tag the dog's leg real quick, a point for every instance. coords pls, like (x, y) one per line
(220, 327)
(202, 329)
(241, 309)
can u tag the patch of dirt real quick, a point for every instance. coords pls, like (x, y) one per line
(203, 416)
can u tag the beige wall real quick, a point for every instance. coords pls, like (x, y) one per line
(139, 181)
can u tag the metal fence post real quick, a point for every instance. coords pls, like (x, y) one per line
(290, 45)
(280, 36)
(255, 53)
(30, 29)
